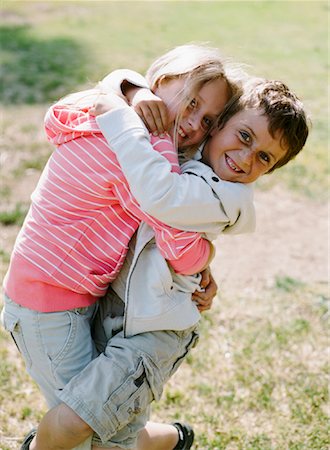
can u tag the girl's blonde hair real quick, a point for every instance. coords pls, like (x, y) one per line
(197, 64)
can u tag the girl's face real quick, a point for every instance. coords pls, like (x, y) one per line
(243, 149)
(201, 113)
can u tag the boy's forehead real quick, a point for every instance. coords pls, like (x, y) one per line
(253, 119)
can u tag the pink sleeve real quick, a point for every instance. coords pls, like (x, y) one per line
(186, 251)
(63, 123)
(191, 257)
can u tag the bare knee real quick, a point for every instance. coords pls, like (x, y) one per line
(71, 423)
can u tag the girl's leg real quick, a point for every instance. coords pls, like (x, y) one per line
(55, 347)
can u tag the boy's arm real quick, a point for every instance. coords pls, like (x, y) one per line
(123, 81)
(133, 87)
(183, 201)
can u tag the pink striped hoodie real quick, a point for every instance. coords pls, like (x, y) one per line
(82, 216)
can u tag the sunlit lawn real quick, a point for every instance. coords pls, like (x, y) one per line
(258, 379)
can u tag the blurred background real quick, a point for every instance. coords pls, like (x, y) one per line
(258, 379)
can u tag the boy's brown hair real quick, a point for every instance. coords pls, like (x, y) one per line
(283, 109)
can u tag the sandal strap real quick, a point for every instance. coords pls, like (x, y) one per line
(28, 439)
(186, 436)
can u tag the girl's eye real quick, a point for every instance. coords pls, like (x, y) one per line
(264, 157)
(193, 103)
(245, 137)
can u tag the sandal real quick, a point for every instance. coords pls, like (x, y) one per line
(28, 439)
(186, 436)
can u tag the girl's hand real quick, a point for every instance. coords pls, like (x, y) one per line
(107, 102)
(204, 299)
(151, 109)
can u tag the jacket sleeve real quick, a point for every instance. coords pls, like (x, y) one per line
(187, 252)
(183, 201)
(115, 79)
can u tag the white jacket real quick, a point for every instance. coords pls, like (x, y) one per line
(198, 200)
(156, 298)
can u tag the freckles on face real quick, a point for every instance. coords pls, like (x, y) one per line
(244, 149)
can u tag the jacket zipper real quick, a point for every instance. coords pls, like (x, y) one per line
(128, 285)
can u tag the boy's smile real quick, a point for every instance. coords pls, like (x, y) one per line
(243, 149)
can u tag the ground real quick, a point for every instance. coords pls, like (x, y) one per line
(291, 240)
(258, 377)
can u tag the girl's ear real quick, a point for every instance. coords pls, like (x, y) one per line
(160, 80)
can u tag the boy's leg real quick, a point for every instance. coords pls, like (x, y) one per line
(61, 428)
(157, 436)
(114, 391)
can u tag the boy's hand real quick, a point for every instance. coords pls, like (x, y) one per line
(107, 102)
(151, 109)
(204, 299)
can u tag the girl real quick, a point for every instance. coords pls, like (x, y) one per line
(75, 237)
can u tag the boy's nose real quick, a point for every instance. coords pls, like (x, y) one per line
(247, 155)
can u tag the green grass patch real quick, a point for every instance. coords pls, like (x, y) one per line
(36, 70)
(51, 49)
(262, 381)
(15, 216)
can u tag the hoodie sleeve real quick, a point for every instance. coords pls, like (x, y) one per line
(63, 123)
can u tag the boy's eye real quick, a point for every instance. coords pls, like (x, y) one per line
(264, 157)
(245, 137)
(207, 123)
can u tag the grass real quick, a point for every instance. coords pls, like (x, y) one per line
(45, 57)
(258, 378)
(258, 374)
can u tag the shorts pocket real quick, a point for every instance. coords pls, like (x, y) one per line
(67, 342)
(130, 399)
(191, 343)
(11, 323)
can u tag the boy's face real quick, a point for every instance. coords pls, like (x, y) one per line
(201, 113)
(243, 150)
